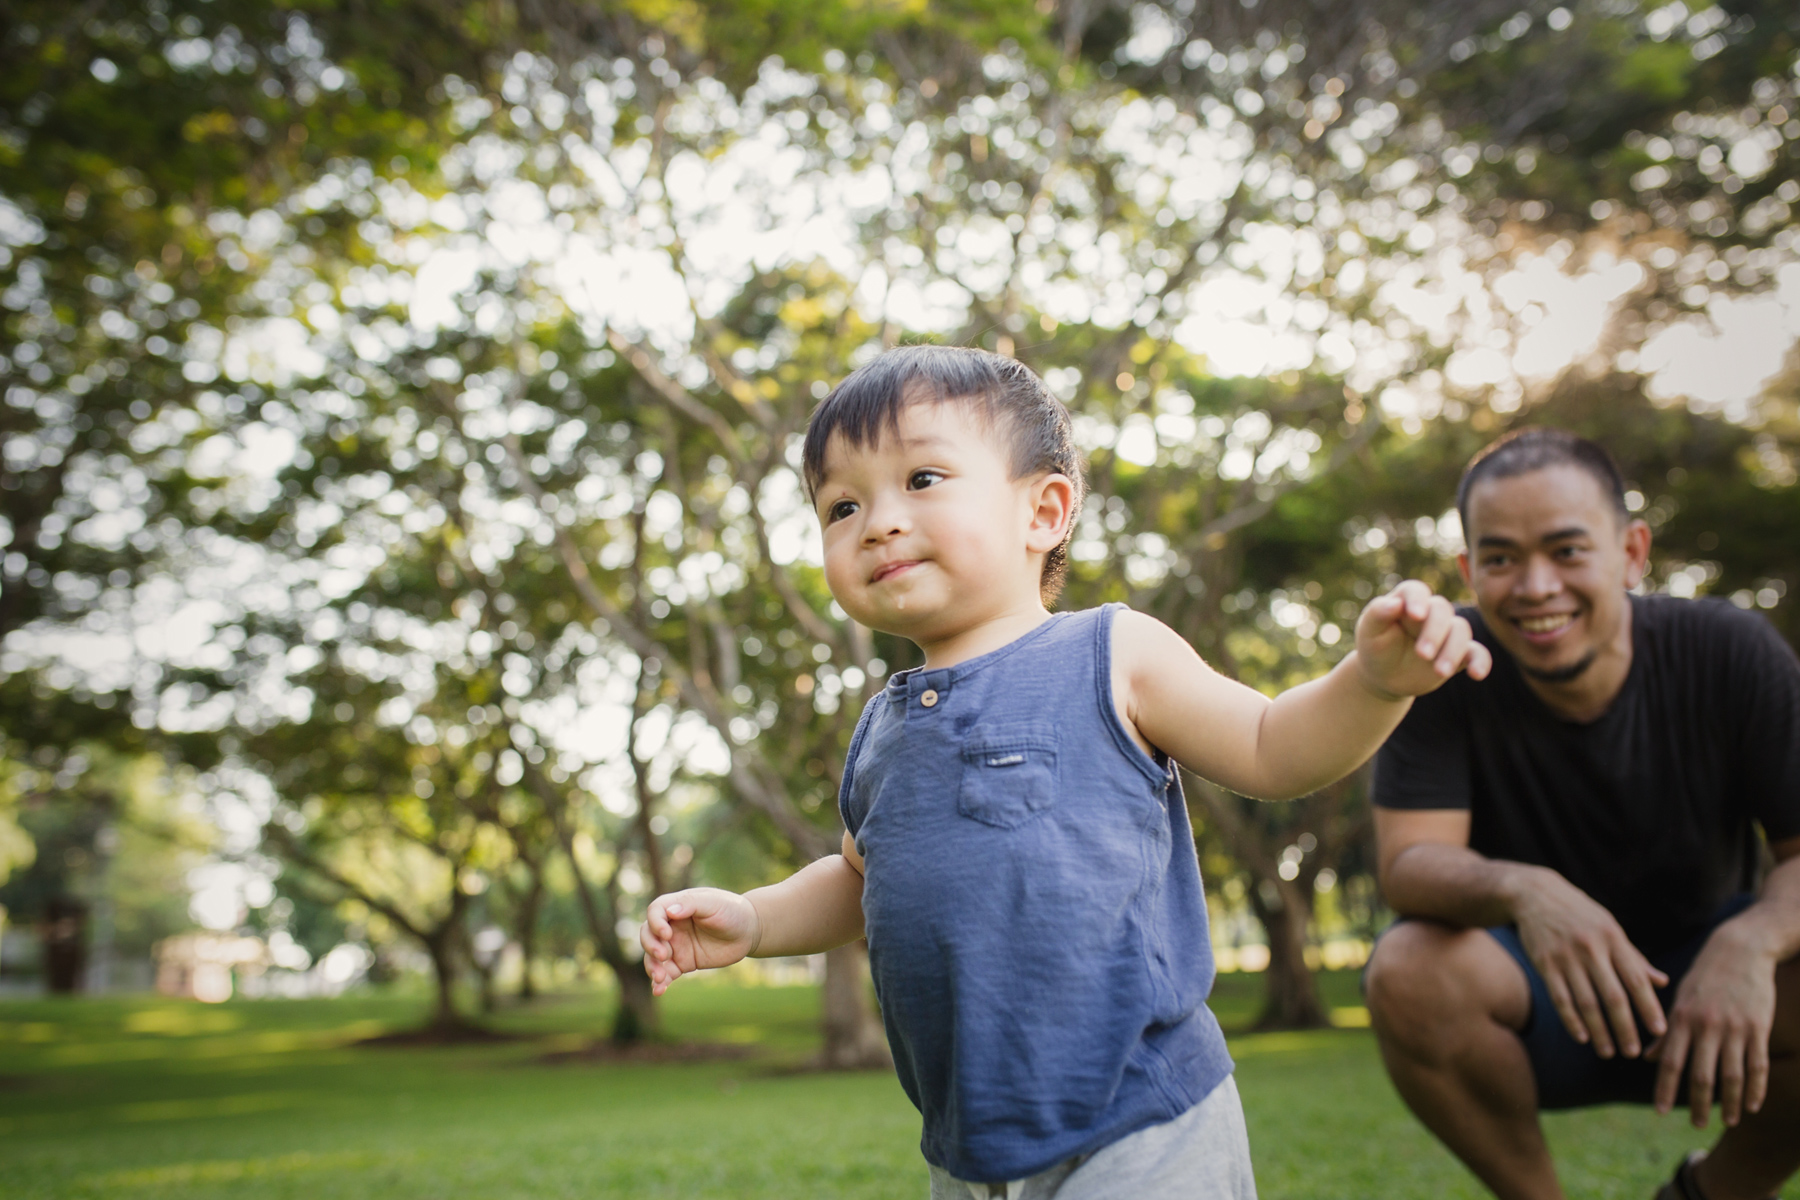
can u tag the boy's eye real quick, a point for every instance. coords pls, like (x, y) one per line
(839, 510)
(924, 479)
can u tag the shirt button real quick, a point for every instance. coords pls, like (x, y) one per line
(928, 697)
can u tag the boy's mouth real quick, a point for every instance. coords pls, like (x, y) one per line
(889, 570)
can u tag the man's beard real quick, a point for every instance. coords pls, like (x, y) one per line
(1562, 674)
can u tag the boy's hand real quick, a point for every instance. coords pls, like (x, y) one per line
(695, 930)
(1409, 641)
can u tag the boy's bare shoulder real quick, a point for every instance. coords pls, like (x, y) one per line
(1140, 640)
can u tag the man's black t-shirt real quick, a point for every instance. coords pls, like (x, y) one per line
(1648, 809)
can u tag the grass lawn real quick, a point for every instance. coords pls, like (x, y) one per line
(154, 1098)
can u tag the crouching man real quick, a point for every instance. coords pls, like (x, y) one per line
(1589, 914)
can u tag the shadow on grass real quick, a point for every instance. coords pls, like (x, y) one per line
(606, 1052)
(432, 1035)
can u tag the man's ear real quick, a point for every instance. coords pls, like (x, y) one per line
(1462, 568)
(1637, 552)
(1052, 501)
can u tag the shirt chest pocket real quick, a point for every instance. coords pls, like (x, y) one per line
(1009, 774)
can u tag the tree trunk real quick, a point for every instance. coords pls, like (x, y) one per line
(525, 931)
(63, 932)
(854, 1038)
(638, 1016)
(1290, 993)
(442, 949)
(490, 1001)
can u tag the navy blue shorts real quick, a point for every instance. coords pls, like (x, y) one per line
(1571, 1075)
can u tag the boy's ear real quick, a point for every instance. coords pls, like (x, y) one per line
(1052, 500)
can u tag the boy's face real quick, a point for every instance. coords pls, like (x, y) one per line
(926, 534)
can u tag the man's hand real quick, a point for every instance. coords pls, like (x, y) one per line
(1409, 641)
(1594, 974)
(1719, 1029)
(695, 930)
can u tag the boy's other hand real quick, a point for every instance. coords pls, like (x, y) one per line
(1409, 641)
(694, 930)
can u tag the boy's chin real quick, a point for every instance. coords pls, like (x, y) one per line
(902, 616)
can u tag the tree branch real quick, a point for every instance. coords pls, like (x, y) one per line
(674, 395)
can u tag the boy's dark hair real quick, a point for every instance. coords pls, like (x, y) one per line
(1006, 395)
(1534, 448)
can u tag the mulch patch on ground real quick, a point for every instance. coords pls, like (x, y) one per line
(648, 1052)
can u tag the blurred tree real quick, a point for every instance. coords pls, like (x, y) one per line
(518, 311)
(114, 840)
(16, 847)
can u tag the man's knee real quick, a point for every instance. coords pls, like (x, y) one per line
(1424, 978)
(1784, 1037)
(1407, 972)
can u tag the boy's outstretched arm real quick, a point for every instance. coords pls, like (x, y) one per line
(812, 910)
(1408, 642)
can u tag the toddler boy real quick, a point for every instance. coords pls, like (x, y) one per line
(1017, 848)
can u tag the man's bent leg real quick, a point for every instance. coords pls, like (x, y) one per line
(1754, 1159)
(1447, 1005)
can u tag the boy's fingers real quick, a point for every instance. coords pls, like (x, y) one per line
(1436, 628)
(1386, 609)
(656, 918)
(1418, 599)
(1456, 648)
(1479, 661)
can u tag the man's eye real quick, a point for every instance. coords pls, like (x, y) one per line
(839, 510)
(924, 479)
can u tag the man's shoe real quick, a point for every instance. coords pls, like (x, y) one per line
(1683, 1186)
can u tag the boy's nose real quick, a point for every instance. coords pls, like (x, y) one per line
(885, 521)
(879, 532)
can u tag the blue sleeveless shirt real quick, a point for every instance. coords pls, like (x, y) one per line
(1037, 928)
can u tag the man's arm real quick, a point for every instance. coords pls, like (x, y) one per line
(1723, 1012)
(1594, 974)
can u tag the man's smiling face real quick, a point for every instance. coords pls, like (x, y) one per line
(1550, 560)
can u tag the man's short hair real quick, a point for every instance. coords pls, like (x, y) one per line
(1004, 394)
(1533, 449)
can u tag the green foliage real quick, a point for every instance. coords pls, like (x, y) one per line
(486, 527)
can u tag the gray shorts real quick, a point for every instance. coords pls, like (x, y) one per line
(1204, 1154)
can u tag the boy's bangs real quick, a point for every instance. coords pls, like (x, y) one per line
(866, 406)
